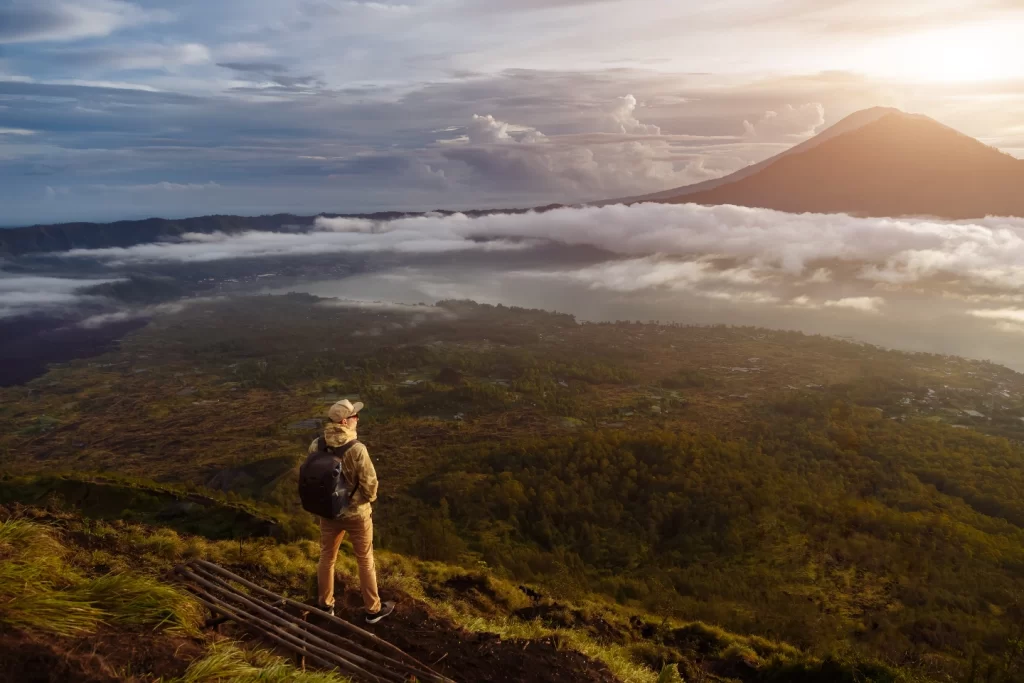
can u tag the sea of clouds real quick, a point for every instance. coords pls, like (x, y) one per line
(988, 251)
(757, 255)
(775, 268)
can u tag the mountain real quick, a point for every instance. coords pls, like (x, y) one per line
(876, 162)
(851, 122)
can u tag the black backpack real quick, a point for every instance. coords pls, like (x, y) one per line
(322, 487)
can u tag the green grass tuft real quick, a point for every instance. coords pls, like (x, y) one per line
(135, 600)
(227, 662)
(40, 592)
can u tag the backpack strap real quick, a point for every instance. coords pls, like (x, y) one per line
(339, 452)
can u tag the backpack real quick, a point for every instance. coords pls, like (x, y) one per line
(322, 487)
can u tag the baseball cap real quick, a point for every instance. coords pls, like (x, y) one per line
(344, 409)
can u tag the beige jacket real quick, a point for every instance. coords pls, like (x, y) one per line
(356, 467)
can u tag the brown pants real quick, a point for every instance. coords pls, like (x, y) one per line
(332, 531)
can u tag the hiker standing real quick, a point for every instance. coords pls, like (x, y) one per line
(337, 483)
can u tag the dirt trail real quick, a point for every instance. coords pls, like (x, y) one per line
(468, 657)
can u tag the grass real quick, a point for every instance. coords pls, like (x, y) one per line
(43, 587)
(226, 661)
(40, 591)
(137, 601)
(482, 602)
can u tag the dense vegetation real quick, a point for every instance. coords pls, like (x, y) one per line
(854, 501)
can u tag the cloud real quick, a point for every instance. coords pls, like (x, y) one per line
(330, 236)
(637, 274)
(867, 304)
(1015, 315)
(701, 277)
(1006, 326)
(1005, 319)
(24, 21)
(16, 131)
(139, 56)
(787, 123)
(486, 129)
(871, 18)
(271, 76)
(162, 186)
(20, 294)
(254, 67)
(136, 313)
(244, 50)
(753, 244)
(255, 127)
(623, 120)
(390, 307)
(379, 6)
(820, 276)
(577, 167)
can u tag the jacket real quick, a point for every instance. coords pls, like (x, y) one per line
(356, 467)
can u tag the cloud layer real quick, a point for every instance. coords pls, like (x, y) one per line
(987, 252)
(728, 254)
(20, 294)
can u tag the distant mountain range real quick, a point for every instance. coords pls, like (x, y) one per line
(876, 162)
(67, 236)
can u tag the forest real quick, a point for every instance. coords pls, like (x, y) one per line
(850, 500)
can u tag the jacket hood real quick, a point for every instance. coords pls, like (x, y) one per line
(338, 435)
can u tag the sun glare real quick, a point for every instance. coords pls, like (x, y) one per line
(956, 54)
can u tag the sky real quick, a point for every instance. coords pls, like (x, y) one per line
(112, 109)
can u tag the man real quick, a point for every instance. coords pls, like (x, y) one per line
(356, 520)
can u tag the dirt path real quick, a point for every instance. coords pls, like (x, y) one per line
(469, 657)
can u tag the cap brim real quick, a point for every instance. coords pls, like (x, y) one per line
(356, 408)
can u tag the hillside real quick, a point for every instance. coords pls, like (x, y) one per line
(102, 609)
(858, 504)
(875, 163)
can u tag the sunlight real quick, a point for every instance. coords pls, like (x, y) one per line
(956, 54)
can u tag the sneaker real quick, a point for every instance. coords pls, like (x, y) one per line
(326, 609)
(385, 609)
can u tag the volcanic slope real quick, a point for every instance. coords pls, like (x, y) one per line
(878, 162)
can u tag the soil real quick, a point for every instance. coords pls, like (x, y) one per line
(105, 657)
(468, 657)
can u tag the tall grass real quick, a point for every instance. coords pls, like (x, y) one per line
(135, 600)
(227, 662)
(33, 583)
(39, 591)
